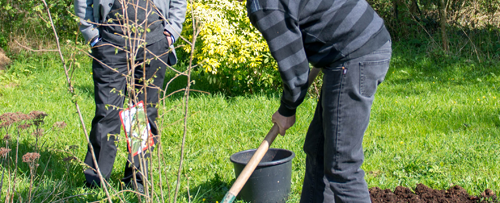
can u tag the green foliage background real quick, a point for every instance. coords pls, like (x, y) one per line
(231, 51)
(24, 18)
(234, 57)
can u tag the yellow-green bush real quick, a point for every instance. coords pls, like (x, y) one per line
(232, 53)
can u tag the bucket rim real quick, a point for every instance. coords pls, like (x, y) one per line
(266, 163)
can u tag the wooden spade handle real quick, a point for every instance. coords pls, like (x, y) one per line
(251, 165)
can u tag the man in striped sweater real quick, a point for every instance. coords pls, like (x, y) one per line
(348, 41)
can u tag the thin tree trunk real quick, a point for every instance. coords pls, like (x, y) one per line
(442, 15)
(395, 7)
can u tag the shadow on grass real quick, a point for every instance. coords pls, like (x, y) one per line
(430, 66)
(55, 174)
(212, 190)
(85, 90)
(201, 83)
(59, 177)
(430, 59)
(414, 60)
(200, 86)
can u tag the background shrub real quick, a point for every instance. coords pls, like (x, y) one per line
(235, 58)
(232, 53)
(23, 21)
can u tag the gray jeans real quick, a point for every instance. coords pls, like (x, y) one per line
(334, 140)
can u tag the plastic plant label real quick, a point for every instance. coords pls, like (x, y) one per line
(137, 129)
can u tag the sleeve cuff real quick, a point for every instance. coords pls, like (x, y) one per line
(94, 41)
(285, 111)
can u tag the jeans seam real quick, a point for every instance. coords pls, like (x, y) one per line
(361, 78)
(338, 115)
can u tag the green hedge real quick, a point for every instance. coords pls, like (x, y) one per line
(231, 52)
(235, 58)
(21, 19)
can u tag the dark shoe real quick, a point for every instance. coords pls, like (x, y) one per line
(140, 187)
(91, 179)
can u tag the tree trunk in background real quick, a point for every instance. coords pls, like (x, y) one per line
(395, 7)
(442, 15)
(415, 9)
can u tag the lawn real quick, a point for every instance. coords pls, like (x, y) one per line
(435, 120)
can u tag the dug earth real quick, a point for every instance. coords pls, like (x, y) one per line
(424, 194)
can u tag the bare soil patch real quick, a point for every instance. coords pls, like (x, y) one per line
(424, 194)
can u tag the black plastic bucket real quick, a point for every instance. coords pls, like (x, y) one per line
(271, 180)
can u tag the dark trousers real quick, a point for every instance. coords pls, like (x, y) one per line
(334, 140)
(110, 85)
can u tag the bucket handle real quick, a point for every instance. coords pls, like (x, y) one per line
(251, 165)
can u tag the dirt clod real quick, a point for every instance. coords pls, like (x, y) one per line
(488, 194)
(424, 194)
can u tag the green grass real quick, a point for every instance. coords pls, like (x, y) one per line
(435, 120)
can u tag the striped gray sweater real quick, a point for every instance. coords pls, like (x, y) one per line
(319, 32)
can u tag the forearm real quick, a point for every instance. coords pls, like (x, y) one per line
(285, 43)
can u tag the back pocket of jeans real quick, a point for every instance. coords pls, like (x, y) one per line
(372, 73)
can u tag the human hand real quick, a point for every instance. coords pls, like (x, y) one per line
(169, 37)
(283, 122)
